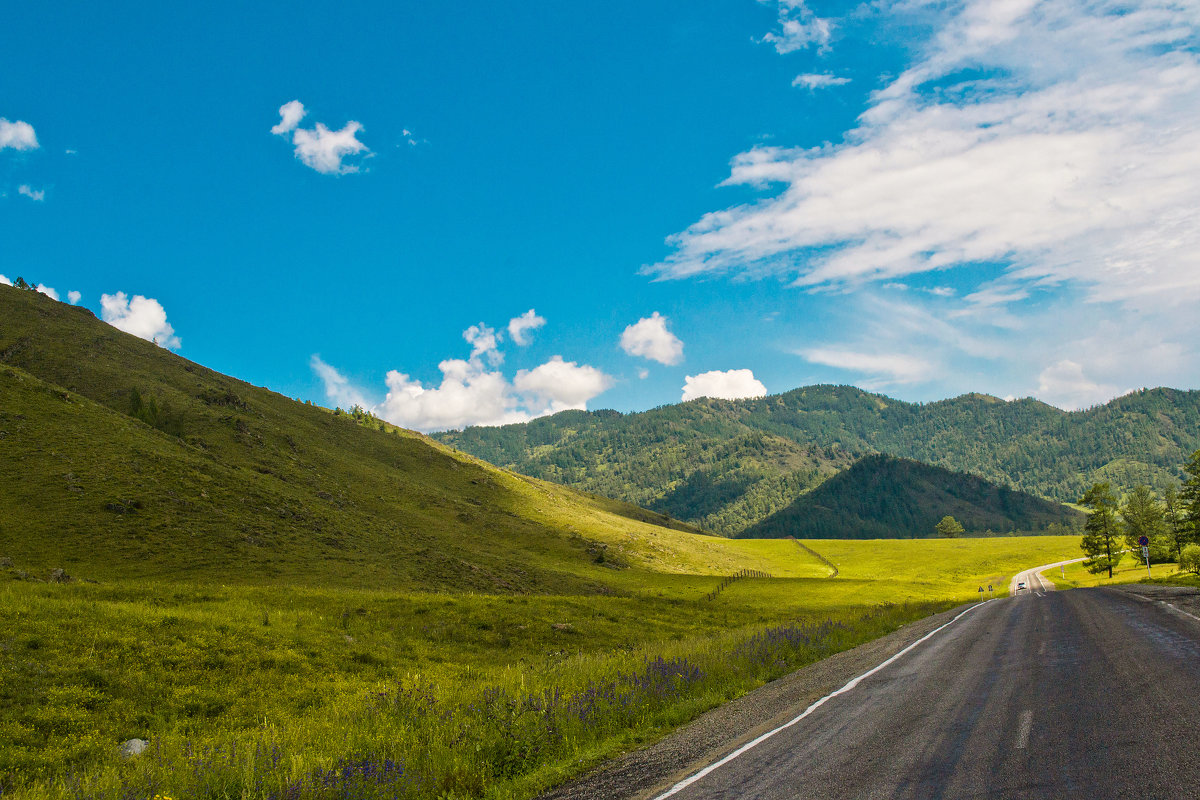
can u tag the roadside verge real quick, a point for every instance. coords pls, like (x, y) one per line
(643, 773)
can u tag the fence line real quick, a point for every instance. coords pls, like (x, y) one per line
(817, 555)
(737, 576)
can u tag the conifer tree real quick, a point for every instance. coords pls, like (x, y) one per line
(1143, 515)
(1101, 533)
(1189, 499)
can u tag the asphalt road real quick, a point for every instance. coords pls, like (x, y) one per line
(1033, 580)
(1090, 693)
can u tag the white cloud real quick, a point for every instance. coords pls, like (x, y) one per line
(823, 80)
(17, 135)
(290, 114)
(473, 392)
(36, 195)
(4, 280)
(1065, 385)
(46, 290)
(73, 297)
(560, 385)
(733, 384)
(143, 317)
(649, 338)
(338, 389)
(319, 147)
(1044, 156)
(484, 342)
(799, 28)
(518, 327)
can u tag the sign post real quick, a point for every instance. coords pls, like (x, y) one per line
(1144, 542)
(991, 591)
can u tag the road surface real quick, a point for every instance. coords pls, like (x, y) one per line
(1088, 693)
(1033, 580)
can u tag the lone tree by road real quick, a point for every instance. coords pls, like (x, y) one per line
(1101, 533)
(949, 527)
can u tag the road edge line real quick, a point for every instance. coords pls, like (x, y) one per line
(1179, 610)
(686, 782)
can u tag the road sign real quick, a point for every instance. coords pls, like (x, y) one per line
(1143, 541)
(981, 590)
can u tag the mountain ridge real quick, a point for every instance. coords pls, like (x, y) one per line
(790, 442)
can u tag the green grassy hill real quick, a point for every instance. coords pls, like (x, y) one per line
(882, 497)
(760, 455)
(123, 459)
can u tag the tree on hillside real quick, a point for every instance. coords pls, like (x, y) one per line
(1101, 533)
(949, 527)
(1189, 499)
(1143, 515)
(1174, 520)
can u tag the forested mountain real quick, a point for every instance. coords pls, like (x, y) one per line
(761, 454)
(883, 497)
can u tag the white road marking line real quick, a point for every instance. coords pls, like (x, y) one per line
(686, 782)
(1026, 726)
(1042, 649)
(1181, 611)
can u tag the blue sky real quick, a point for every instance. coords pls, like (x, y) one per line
(719, 198)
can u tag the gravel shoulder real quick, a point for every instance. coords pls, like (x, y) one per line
(1178, 598)
(645, 772)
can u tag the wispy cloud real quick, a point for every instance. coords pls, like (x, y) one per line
(319, 147)
(823, 80)
(1057, 141)
(877, 370)
(799, 28)
(338, 388)
(649, 338)
(36, 195)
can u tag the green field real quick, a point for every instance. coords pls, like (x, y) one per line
(1128, 570)
(263, 691)
(290, 602)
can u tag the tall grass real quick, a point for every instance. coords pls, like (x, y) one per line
(508, 735)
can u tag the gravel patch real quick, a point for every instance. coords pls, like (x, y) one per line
(1181, 598)
(646, 772)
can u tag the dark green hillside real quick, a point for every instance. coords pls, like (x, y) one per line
(696, 462)
(883, 497)
(761, 454)
(118, 458)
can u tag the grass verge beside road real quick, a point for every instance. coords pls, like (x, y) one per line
(294, 692)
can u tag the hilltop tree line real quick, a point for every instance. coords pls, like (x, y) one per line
(1169, 520)
(746, 448)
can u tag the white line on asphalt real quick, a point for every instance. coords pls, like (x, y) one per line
(1023, 733)
(686, 782)
(1181, 611)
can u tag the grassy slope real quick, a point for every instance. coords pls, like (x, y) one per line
(882, 496)
(259, 487)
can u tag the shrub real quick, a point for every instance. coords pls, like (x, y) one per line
(1189, 559)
